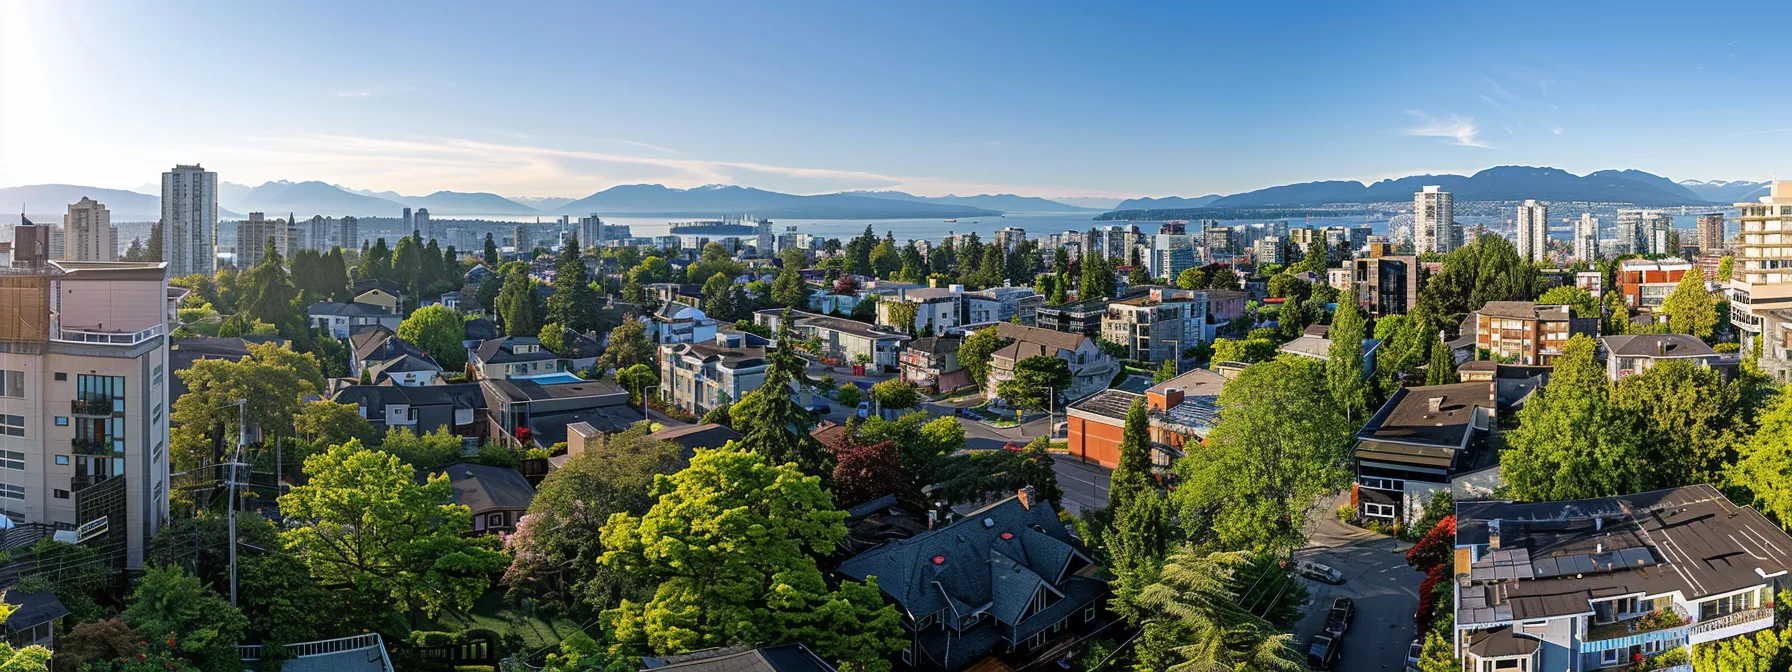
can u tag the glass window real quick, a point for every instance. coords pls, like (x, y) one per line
(12, 459)
(61, 421)
(12, 384)
(59, 494)
(10, 491)
(12, 425)
(62, 460)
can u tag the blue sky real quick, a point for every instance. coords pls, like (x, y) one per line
(1049, 99)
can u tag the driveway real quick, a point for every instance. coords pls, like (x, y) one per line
(1386, 591)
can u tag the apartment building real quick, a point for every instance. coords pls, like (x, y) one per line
(1158, 325)
(1607, 583)
(1523, 332)
(1647, 283)
(1711, 233)
(1532, 220)
(937, 310)
(699, 377)
(1387, 285)
(1003, 304)
(1761, 280)
(1090, 369)
(1081, 317)
(84, 402)
(932, 364)
(1644, 232)
(1586, 237)
(189, 220)
(253, 236)
(1434, 221)
(88, 234)
(1631, 355)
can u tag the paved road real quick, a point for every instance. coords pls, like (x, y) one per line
(1085, 485)
(1386, 591)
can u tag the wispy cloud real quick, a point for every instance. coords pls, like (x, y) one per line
(423, 165)
(358, 93)
(646, 145)
(1556, 131)
(1462, 130)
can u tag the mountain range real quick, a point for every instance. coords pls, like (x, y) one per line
(1002, 202)
(708, 201)
(1501, 183)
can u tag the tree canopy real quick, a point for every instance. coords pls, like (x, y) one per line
(439, 331)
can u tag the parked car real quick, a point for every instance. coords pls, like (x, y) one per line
(817, 406)
(1320, 573)
(1338, 620)
(1413, 651)
(1322, 653)
(1015, 445)
(864, 409)
(1061, 430)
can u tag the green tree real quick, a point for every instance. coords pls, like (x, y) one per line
(719, 298)
(553, 339)
(373, 527)
(376, 261)
(168, 602)
(1765, 466)
(438, 331)
(636, 379)
(1037, 383)
(554, 555)
(1135, 546)
(1441, 370)
(1281, 442)
(1580, 300)
(1098, 278)
(884, 259)
(730, 545)
(273, 380)
(789, 290)
(1570, 442)
(848, 395)
(425, 450)
(978, 476)
(1132, 475)
(516, 303)
(974, 354)
(269, 292)
(1165, 372)
(1688, 424)
(573, 304)
(1764, 651)
(1344, 361)
(327, 423)
(628, 346)
(1061, 288)
(407, 267)
(1690, 308)
(773, 425)
(490, 255)
(902, 315)
(1437, 656)
(1724, 268)
(1617, 315)
(895, 394)
(1193, 278)
(1197, 603)
(1250, 350)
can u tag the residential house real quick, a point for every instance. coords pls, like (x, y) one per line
(846, 341)
(1607, 583)
(677, 292)
(183, 352)
(1425, 439)
(697, 437)
(480, 329)
(498, 496)
(932, 364)
(378, 298)
(1157, 326)
(376, 344)
(1646, 283)
(532, 412)
(699, 377)
(459, 407)
(1320, 348)
(1223, 306)
(1341, 279)
(1629, 355)
(1523, 332)
(1387, 285)
(383, 285)
(35, 618)
(514, 357)
(1003, 304)
(829, 303)
(406, 370)
(677, 322)
(793, 657)
(1091, 370)
(341, 319)
(1007, 579)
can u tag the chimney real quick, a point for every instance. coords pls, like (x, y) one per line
(1434, 404)
(1493, 534)
(1661, 346)
(1028, 496)
(1172, 398)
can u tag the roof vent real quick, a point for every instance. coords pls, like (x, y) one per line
(1434, 404)
(1007, 535)
(989, 522)
(939, 559)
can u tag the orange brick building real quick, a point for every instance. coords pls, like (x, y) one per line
(1097, 426)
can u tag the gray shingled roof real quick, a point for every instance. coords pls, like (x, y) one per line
(482, 488)
(502, 350)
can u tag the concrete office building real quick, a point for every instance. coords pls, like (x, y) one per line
(1586, 237)
(1533, 230)
(190, 220)
(1434, 221)
(88, 234)
(84, 402)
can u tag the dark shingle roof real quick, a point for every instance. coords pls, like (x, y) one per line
(33, 609)
(523, 389)
(692, 437)
(481, 329)
(1408, 418)
(550, 429)
(1656, 345)
(347, 309)
(482, 488)
(1106, 403)
(994, 558)
(1500, 643)
(937, 345)
(388, 286)
(781, 658)
(403, 364)
(502, 350)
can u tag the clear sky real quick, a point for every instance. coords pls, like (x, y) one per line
(1049, 99)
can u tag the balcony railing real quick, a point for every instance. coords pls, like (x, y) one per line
(1764, 614)
(1634, 625)
(99, 447)
(94, 337)
(102, 405)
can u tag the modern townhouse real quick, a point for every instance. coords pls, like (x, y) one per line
(1157, 326)
(459, 407)
(1425, 439)
(700, 377)
(1091, 370)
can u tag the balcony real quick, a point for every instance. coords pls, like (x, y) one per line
(92, 337)
(1730, 625)
(100, 447)
(1634, 629)
(95, 405)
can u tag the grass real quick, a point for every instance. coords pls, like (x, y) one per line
(493, 613)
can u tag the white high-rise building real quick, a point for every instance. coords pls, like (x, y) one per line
(190, 220)
(1586, 237)
(1434, 221)
(1533, 230)
(317, 232)
(348, 234)
(88, 234)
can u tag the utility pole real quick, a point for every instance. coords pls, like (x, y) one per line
(242, 438)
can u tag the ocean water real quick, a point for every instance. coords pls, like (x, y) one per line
(1036, 224)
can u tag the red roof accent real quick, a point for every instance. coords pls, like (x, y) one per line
(1007, 535)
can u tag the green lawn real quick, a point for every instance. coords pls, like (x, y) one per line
(493, 613)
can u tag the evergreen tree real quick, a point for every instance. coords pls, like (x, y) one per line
(989, 274)
(152, 250)
(376, 261)
(1097, 280)
(1060, 290)
(407, 267)
(268, 292)
(336, 275)
(491, 251)
(516, 303)
(777, 427)
(1441, 370)
(1132, 474)
(573, 304)
(789, 290)
(1344, 362)
(1061, 262)
(1136, 544)
(1617, 316)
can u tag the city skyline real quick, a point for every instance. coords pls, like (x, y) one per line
(1048, 101)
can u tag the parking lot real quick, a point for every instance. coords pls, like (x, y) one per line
(1386, 592)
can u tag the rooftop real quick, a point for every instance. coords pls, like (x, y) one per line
(1434, 415)
(482, 488)
(519, 390)
(692, 437)
(1551, 559)
(781, 658)
(1656, 345)
(850, 327)
(1057, 340)
(504, 350)
(1523, 310)
(732, 358)
(1321, 348)
(347, 309)
(1109, 403)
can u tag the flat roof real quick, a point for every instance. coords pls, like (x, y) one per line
(1408, 417)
